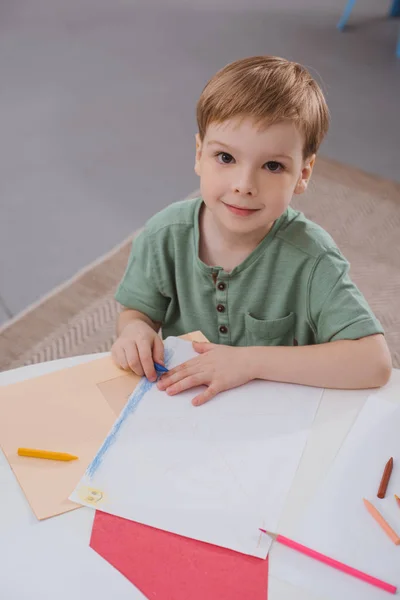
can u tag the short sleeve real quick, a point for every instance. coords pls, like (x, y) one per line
(141, 285)
(337, 308)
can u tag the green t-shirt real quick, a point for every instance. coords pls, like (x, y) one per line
(294, 288)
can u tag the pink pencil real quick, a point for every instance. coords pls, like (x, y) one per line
(332, 562)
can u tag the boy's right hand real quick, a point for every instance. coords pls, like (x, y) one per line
(138, 348)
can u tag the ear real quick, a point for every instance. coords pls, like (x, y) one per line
(199, 147)
(305, 175)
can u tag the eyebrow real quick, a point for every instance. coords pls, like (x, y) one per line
(217, 143)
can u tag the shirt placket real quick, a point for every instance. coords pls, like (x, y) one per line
(221, 306)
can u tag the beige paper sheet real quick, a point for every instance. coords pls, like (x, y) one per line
(72, 411)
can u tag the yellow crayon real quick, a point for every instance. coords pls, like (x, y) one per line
(46, 454)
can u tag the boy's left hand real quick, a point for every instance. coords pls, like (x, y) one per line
(218, 367)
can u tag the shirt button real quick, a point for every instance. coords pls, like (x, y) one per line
(221, 285)
(223, 329)
(220, 308)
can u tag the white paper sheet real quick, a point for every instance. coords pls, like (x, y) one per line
(337, 523)
(215, 473)
(42, 561)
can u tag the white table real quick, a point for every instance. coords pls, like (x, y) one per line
(335, 416)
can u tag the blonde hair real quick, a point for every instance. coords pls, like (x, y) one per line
(269, 90)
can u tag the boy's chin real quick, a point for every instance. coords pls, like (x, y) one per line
(246, 227)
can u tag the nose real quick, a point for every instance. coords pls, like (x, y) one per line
(245, 184)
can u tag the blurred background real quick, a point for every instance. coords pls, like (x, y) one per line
(97, 112)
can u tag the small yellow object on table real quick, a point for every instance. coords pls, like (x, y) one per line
(46, 454)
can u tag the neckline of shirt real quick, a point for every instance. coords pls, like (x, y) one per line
(253, 256)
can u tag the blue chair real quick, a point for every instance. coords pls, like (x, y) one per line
(346, 14)
(393, 12)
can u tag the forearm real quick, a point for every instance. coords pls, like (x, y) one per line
(345, 364)
(128, 316)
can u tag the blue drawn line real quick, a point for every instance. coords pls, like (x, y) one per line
(129, 408)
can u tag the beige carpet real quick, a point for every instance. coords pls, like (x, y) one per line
(361, 212)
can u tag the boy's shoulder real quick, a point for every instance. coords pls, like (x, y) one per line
(305, 235)
(177, 215)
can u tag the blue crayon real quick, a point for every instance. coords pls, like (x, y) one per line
(160, 369)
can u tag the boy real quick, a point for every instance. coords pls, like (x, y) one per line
(265, 285)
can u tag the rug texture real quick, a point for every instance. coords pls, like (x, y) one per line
(361, 212)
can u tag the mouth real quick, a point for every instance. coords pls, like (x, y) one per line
(239, 211)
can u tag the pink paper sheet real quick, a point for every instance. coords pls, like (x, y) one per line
(165, 566)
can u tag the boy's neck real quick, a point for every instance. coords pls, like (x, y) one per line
(221, 247)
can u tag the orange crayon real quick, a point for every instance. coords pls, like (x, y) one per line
(381, 522)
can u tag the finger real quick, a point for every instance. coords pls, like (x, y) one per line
(174, 376)
(185, 384)
(132, 357)
(158, 350)
(205, 396)
(202, 347)
(146, 359)
(182, 367)
(167, 378)
(118, 356)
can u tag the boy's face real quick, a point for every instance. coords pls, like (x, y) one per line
(248, 175)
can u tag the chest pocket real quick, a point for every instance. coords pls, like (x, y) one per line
(276, 332)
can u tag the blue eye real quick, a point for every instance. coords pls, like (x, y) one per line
(274, 167)
(225, 158)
